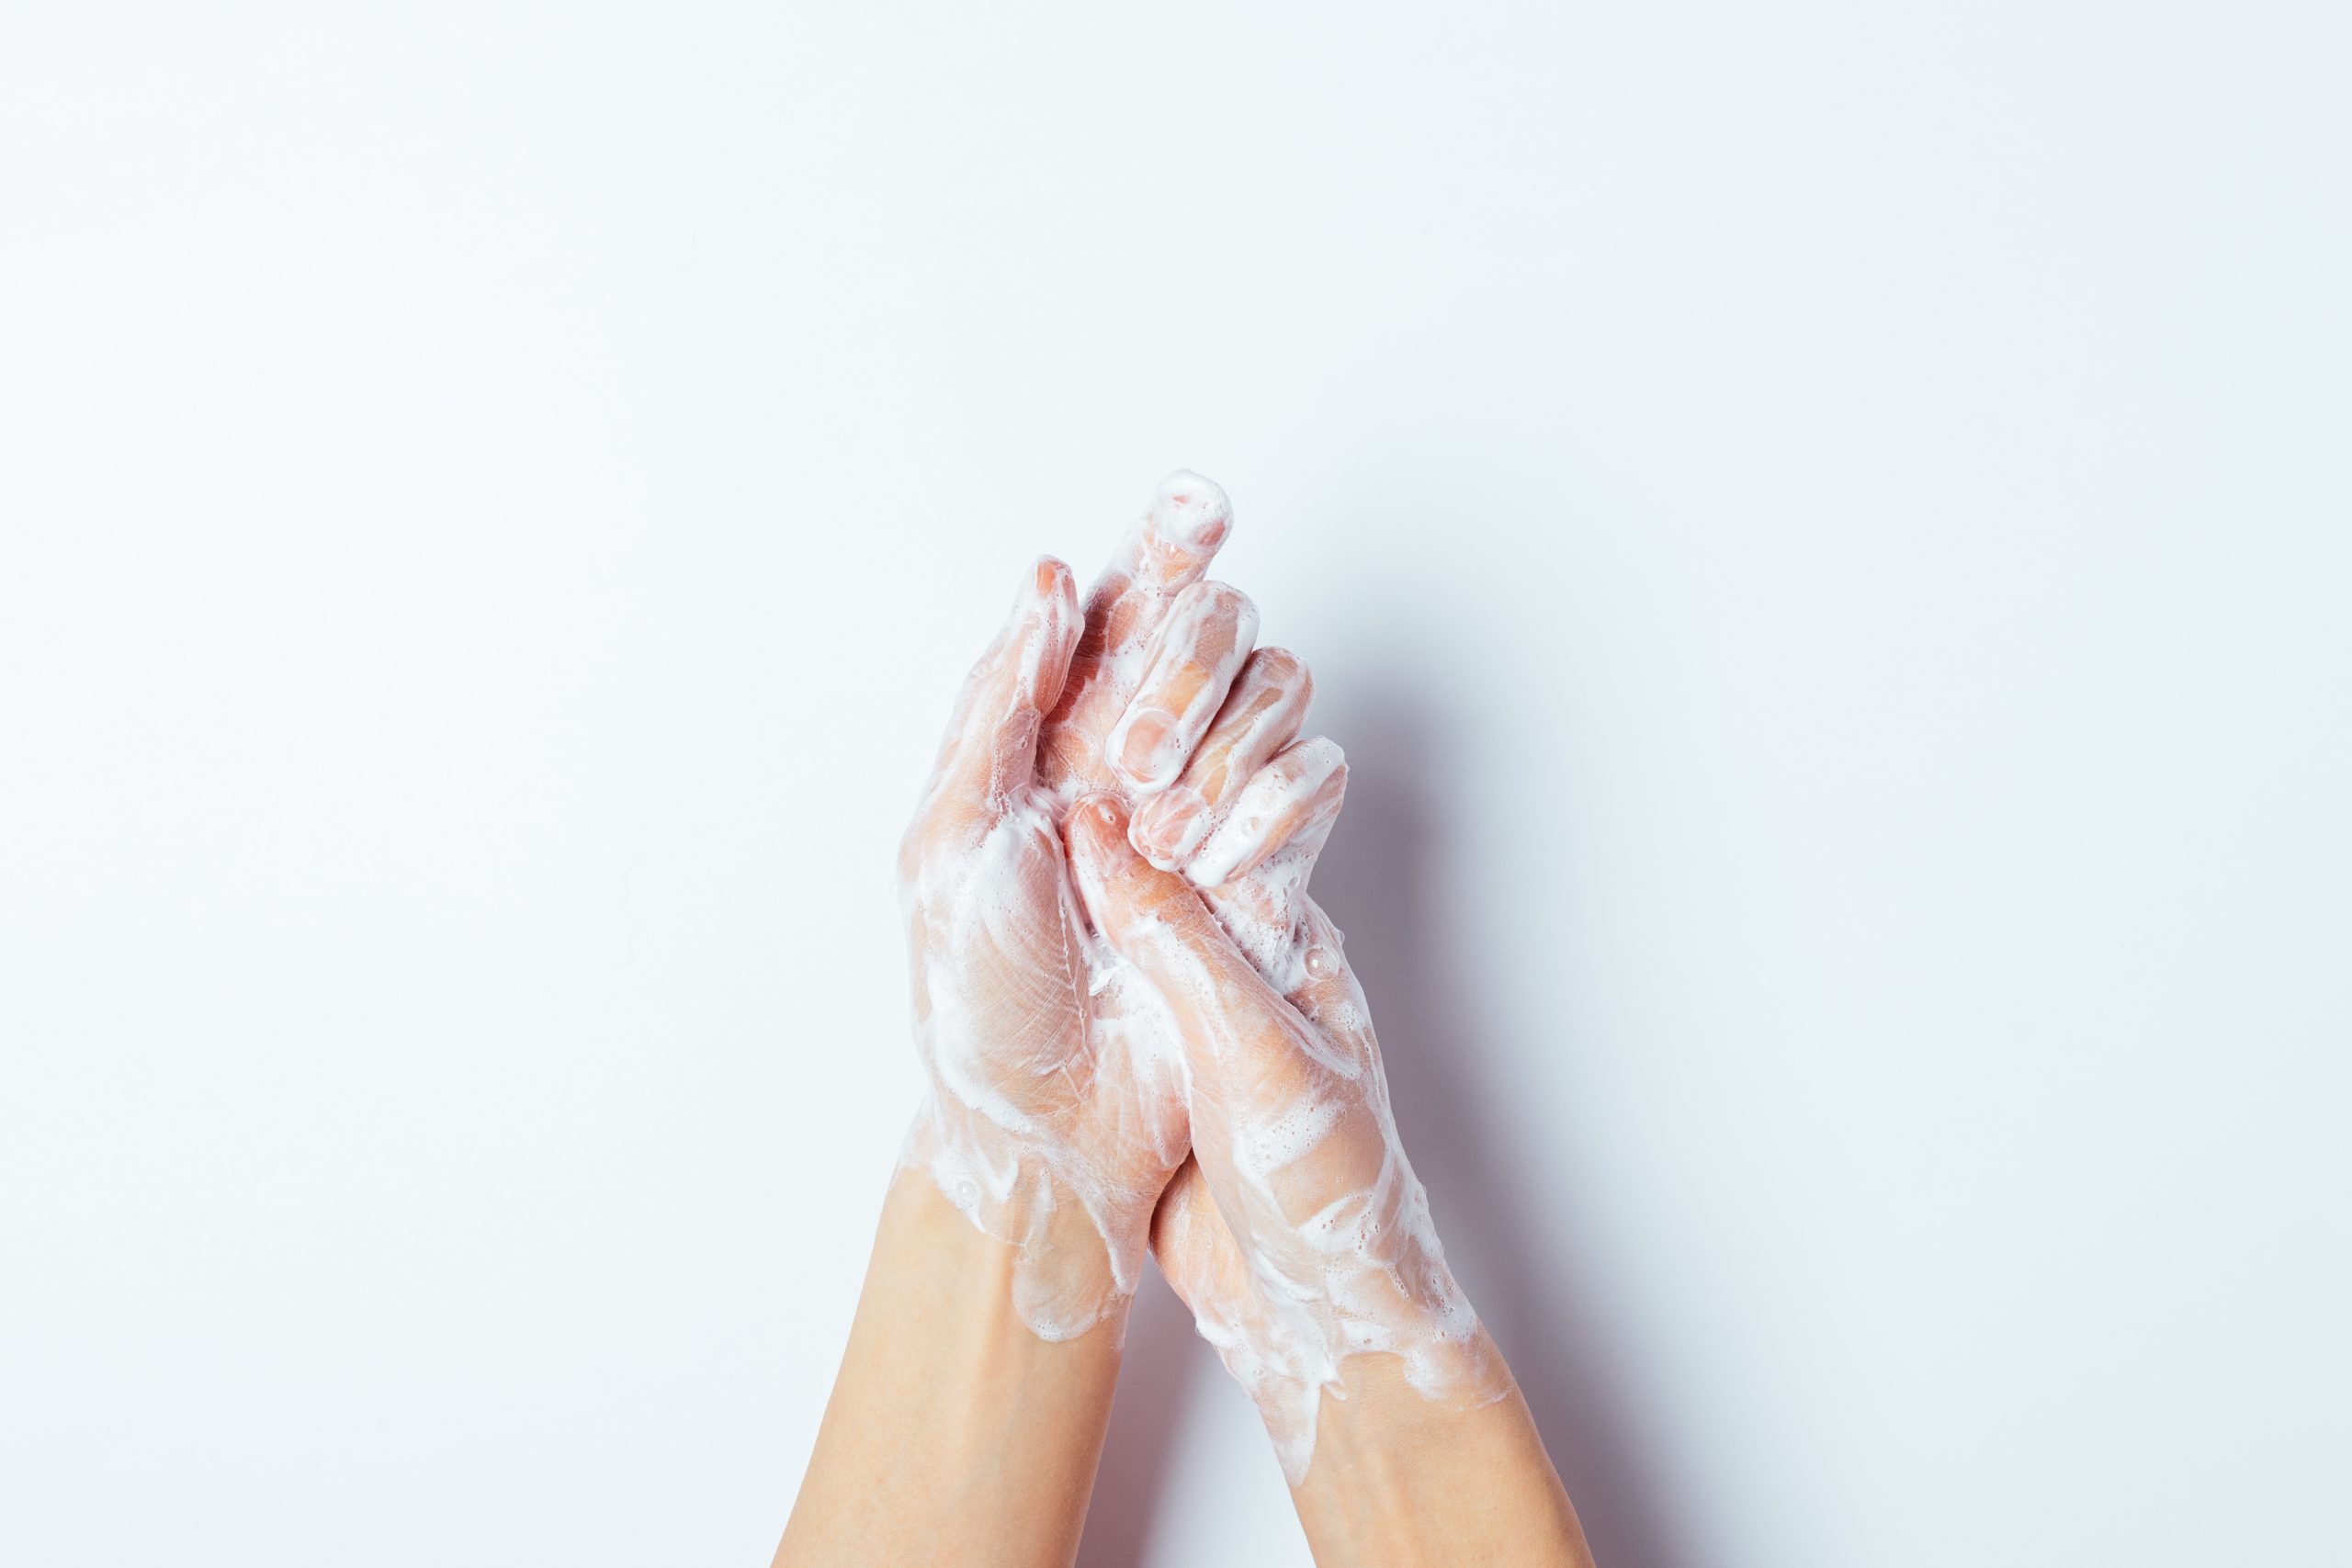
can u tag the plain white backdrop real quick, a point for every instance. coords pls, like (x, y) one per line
(1825, 530)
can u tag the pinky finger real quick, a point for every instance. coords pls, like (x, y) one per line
(1295, 795)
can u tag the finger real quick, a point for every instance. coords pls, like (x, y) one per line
(1165, 551)
(990, 745)
(1241, 1037)
(1138, 910)
(1194, 657)
(1296, 791)
(1263, 909)
(1262, 714)
(1171, 546)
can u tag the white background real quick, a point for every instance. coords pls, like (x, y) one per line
(1824, 531)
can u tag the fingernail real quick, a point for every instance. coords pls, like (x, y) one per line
(1045, 591)
(1170, 826)
(1148, 754)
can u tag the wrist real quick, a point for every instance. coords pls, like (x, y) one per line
(1072, 1242)
(955, 1434)
(1399, 1479)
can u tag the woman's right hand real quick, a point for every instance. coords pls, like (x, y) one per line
(1297, 1234)
(1301, 1239)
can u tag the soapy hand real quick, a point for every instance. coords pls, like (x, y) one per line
(1140, 1034)
(1297, 1234)
(1057, 1110)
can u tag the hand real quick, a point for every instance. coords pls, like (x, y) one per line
(1057, 1112)
(1299, 1235)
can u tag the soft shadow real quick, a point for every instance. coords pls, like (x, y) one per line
(1156, 1383)
(1383, 880)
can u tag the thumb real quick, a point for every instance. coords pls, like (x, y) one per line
(1155, 917)
(1251, 1052)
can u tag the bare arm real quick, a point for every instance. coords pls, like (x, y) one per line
(1397, 1480)
(955, 1435)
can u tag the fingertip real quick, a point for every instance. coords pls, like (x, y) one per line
(1190, 509)
(1051, 583)
(1225, 600)
(1279, 667)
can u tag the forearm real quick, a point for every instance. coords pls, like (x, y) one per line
(1399, 1480)
(954, 1434)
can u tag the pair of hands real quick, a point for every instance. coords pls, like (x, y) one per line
(1140, 1033)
